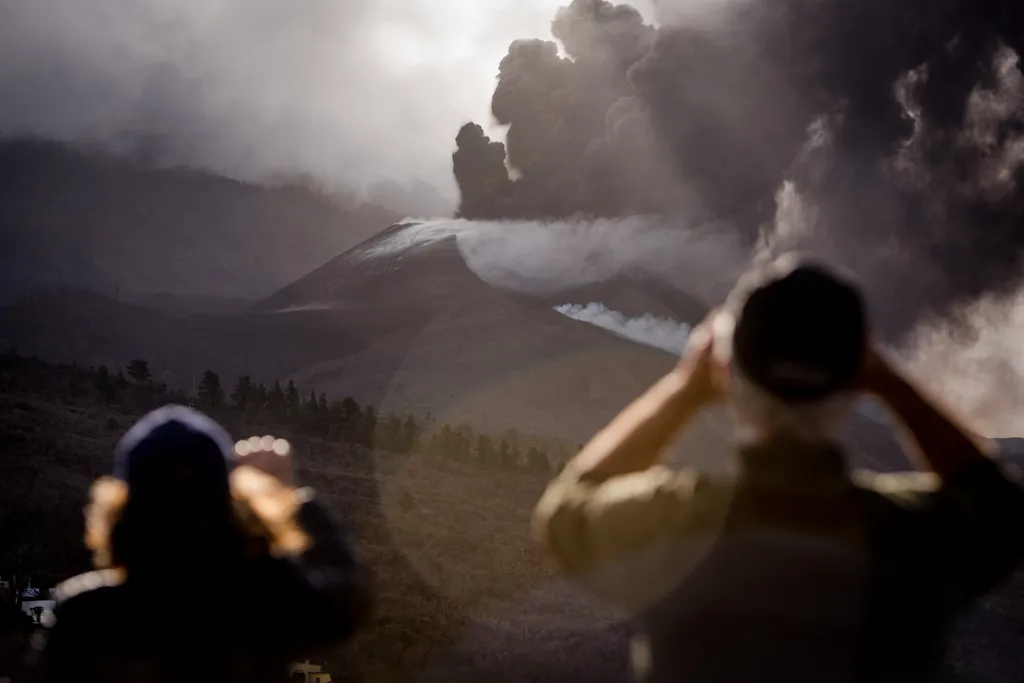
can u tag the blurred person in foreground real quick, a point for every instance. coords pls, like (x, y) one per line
(796, 568)
(212, 565)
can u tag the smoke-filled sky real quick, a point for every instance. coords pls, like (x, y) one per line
(893, 130)
(347, 90)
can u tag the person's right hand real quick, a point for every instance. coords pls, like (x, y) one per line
(268, 455)
(697, 365)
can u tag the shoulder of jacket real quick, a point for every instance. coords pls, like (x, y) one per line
(86, 583)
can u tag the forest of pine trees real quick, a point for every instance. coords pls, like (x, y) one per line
(256, 403)
(345, 420)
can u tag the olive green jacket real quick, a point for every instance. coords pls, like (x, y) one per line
(795, 569)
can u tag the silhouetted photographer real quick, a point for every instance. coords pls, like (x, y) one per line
(212, 565)
(794, 569)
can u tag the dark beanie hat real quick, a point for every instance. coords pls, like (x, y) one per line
(175, 445)
(801, 328)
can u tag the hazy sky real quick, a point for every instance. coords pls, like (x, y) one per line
(350, 90)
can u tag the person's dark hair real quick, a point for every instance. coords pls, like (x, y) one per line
(800, 328)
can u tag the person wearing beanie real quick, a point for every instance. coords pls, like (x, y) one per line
(211, 565)
(795, 568)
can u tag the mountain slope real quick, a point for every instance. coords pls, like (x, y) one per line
(410, 330)
(414, 331)
(446, 342)
(73, 218)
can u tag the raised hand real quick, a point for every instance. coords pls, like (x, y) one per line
(698, 363)
(269, 455)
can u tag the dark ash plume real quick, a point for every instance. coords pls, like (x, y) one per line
(898, 125)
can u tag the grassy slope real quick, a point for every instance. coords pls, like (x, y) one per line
(465, 595)
(461, 554)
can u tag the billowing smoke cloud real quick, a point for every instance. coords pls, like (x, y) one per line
(346, 91)
(977, 365)
(891, 130)
(661, 333)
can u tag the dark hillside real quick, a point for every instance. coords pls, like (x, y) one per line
(72, 217)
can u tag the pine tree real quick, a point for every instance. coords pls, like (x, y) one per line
(333, 418)
(210, 392)
(466, 444)
(458, 448)
(259, 397)
(350, 417)
(342, 419)
(515, 457)
(389, 433)
(291, 400)
(311, 405)
(322, 417)
(368, 427)
(243, 393)
(504, 456)
(104, 385)
(484, 450)
(138, 370)
(511, 435)
(409, 434)
(276, 402)
(536, 461)
(440, 441)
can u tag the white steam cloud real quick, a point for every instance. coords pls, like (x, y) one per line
(660, 333)
(977, 363)
(532, 256)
